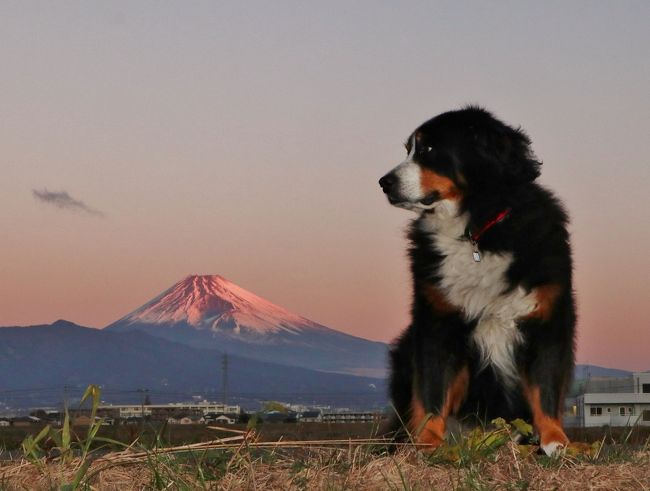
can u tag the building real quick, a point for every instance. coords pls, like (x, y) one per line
(162, 412)
(186, 420)
(617, 408)
(221, 419)
(350, 417)
(310, 417)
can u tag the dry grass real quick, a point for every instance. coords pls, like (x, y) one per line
(242, 462)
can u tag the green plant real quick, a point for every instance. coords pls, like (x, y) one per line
(480, 444)
(65, 446)
(31, 447)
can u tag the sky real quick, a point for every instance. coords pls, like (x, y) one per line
(144, 141)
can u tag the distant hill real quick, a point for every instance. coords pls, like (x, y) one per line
(47, 357)
(209, 311)
(587, 371)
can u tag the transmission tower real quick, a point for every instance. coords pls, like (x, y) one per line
(224, 377)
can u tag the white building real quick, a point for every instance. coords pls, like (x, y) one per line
(139, 410)
(310, 417)
(185, 420)
(617, 408)
(127, 411)
(350, 417)
(224, 420)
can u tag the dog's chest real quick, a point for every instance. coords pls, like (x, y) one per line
(480, 290)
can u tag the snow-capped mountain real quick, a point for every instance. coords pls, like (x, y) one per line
(208, 311)
(212, 302)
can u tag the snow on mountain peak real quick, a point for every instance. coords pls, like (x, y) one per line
(213, 302)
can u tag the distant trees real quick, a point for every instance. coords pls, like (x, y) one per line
(275, 406)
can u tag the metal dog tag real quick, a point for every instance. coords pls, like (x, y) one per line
(476, 254)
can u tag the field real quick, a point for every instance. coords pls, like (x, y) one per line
(323, 457)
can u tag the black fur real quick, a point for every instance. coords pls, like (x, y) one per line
(494, 168)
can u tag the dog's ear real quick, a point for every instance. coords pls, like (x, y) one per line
(507, 150)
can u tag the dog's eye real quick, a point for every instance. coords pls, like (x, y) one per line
(423, 150)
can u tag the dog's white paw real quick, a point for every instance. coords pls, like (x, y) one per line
(553, 449)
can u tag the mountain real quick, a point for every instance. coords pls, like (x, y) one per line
(37, 361)
(588, 371)
(208, 311)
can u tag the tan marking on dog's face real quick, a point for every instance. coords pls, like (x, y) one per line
(431, 181)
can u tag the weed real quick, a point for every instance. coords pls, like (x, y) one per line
(477, 460)
(479, 444)
(64, 446)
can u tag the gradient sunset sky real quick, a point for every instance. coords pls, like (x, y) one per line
(145, 141)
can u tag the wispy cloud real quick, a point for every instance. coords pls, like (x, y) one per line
(62, 200)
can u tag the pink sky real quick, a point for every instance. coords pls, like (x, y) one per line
(247, 140)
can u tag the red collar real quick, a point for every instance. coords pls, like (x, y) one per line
(474, 237)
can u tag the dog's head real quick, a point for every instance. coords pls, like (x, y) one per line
(458, 155)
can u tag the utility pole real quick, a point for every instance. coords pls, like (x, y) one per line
(224, 377)
(144, 397)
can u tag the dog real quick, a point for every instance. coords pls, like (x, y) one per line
(492, 327)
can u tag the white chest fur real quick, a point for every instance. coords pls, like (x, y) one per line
(478, 289)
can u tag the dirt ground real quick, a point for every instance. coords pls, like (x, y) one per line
(353, 468)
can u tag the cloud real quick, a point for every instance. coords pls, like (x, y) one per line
(62, 200)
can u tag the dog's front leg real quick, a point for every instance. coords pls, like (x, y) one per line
(430, 406)
(547, 421)
(544, 383)
(440, 380)
(547, 374)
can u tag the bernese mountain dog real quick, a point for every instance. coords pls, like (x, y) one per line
(493, 313)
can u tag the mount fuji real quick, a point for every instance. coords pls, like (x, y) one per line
(210, 312)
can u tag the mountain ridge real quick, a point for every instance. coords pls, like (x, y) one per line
(51, 356)
(64, 353)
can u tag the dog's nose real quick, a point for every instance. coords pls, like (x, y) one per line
(387, 182)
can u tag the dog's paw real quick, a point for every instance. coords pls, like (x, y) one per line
(427, 442)
(554, 448)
